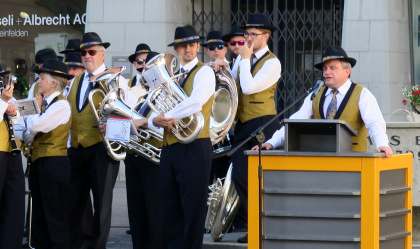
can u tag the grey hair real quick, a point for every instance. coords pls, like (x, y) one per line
(61, 81)
(345, 64)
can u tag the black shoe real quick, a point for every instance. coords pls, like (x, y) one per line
(128, 231)
(243, 239)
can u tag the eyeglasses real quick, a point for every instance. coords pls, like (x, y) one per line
(240, 43)
(252, 35)
(91, 52)
(140, 61)
(213, 47)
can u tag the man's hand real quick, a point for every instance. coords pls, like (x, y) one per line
(7, 93)
(219, 63)
(246, 50)
(39, 98)
(165, 123)
(11, 110)
(264, 146)
(140, 123)
(102, 128)
(387, 150)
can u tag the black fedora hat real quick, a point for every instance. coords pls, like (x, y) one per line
(214, 38)
(90, 39)
(185, 35)
(42, 55)
(54, 67)
(74, 59)
(259, 21)
(141, 48)
(2, 72)
(151, 55)
(335, 53)
(236, 30)
(72, 46)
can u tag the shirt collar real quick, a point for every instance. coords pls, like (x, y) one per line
(342, 89)
(52, 96)
(100, 69)
(190, 65)
(261, 52)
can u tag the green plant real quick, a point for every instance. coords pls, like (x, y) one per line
(412, 95)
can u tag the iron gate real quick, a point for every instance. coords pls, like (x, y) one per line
(305, 29)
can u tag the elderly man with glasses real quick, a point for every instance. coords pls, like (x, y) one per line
(92, 169)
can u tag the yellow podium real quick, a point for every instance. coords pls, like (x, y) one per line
(323, 200)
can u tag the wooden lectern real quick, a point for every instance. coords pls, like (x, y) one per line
(319, 199)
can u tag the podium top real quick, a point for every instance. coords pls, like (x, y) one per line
(311, 154)
(327, 122)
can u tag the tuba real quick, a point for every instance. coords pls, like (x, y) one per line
(108, 81)
(165, 94)
(223, 203)
(225, 105)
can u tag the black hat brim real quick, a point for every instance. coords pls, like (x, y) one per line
(213, 43)
(132, 57)
(104, 44)
(4, 73)
(66, 51)
(350, 60)
(186, 42)
(226, 38)
(46, 70)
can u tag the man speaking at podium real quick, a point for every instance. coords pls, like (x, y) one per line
(342, 99)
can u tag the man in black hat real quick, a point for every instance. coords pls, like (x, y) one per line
(12, 183)
(235, 40)
(40, 57)
(215, 47)
(73, 45)
(92, 169)
(50, 173)
(257, 71)
(185, 168)
(342, 99)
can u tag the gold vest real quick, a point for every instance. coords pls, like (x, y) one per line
(351, 114)
(169, 138)
(130, 82)
(53, 143)
(84, 128)
(5, 144)
(258, 104)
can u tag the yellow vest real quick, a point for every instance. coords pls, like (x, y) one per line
(169, 138)
(5, 144)
(84, 127)
(258, 104)
(350, 114)
(130, 82)
(53, 143)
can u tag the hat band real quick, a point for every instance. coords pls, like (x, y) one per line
(254, 25)
(89, 44)
(71, 63)
(142, 51)
(52, 70)
(215, 40)
(333, 57)
(187, 38)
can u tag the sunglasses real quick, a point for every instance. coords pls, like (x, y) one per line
(90, 52)
(140, 61)
(213, 47)
(240, 43)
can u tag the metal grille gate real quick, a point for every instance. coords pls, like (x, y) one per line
(305, 29)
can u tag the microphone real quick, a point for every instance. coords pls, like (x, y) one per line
(319, 83)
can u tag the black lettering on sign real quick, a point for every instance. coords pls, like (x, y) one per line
(395, 140)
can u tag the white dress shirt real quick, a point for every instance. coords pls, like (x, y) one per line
(369, 110)
(67, 89)
(203, 88)
(269, 73)
(57, 114)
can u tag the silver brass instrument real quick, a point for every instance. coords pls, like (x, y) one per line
(223, 203)
(15, 149)
(225, 105)
(108, 81)
(165, 94)
(119, 107)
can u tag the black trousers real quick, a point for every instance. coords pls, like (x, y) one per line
(143, 202)
(12, 201)
(91, 170)
(50, 179)
(184, 177)
(240, 160)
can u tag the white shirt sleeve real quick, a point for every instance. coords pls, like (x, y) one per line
(268, 75)
(203, 88)
(55, 115)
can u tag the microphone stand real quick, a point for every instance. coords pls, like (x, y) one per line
(259, 135)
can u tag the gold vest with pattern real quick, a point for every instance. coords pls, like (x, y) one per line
(5, 144)
(53, 143)
(169, 138)
(350, 114)
(258, 104)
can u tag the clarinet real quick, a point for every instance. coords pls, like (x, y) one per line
(9, 122)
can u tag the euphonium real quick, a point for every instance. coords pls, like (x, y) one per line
(165, 94)
(117, 106)
(108, 81)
